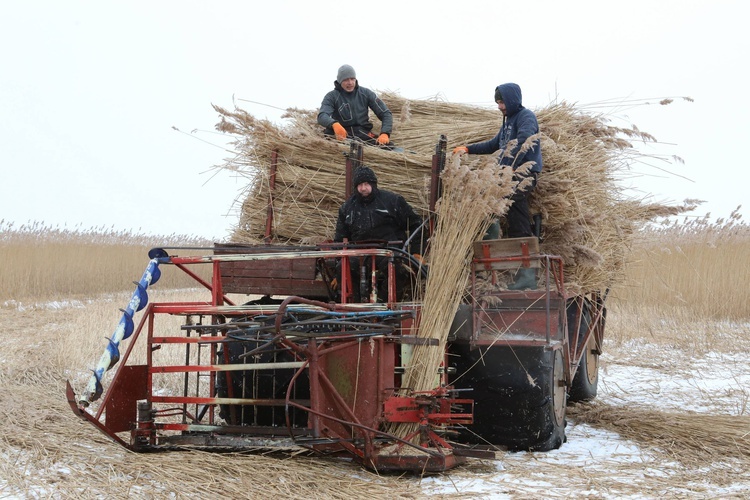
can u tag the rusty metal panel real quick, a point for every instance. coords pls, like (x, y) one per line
(529, 324)
(129, 387)
(359, 373)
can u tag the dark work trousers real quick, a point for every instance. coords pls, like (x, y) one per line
(519, 213)
(381, 264)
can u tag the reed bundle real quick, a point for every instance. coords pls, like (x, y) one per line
(586, 218)
(309, 184)
(471, 195)
(691, 438)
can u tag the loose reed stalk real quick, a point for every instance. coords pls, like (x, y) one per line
(691, 438)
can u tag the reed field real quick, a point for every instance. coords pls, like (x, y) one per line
(693, 267)
(41, 262)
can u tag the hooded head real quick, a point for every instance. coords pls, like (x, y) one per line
(510, 94)
(345, 72)
(365, 174)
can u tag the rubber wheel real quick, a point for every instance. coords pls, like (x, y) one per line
(557, 397)
(519, 395)
(586, 380)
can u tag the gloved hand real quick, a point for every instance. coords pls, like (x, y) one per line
(461, 150)
(418, 257)
(339, 131)
(334, 284)
(383, 139)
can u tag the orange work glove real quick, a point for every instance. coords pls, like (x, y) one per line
(418, 257)
(383, 139)
(334, 284)
(339, 131)
(460, 150)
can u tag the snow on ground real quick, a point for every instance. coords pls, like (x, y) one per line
(598, 463)
(714, 383)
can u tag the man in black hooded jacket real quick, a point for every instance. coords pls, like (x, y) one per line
(519, 125)
(373, 214)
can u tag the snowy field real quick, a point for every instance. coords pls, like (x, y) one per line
(599, 463)
(48, 453)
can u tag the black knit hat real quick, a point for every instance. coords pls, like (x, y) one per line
(365, 174)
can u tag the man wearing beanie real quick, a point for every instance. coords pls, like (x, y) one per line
(344, 111)
(374, 214)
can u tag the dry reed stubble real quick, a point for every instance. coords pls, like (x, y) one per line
(693, 439)
(49, 450)
(51, 453)
(683, 326)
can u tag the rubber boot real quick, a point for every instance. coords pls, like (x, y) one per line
(493, 232)
(525, 279)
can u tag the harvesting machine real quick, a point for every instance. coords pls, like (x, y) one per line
(274, 357)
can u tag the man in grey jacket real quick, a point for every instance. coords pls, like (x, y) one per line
(344, 111)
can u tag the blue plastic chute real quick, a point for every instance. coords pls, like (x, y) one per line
(125, 327)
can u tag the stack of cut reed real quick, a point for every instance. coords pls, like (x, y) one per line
(309, 184)
(586, 218)
(471, 195)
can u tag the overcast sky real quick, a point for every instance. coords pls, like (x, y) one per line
(90, 91)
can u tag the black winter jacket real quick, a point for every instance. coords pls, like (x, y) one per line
(382, 216)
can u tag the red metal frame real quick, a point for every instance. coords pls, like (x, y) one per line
(343, 421)
(541, 325)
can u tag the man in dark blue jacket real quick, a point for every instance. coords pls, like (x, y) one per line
(519, 125)
(344, 111)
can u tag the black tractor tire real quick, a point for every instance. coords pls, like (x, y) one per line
(519, 396)
(586, 380)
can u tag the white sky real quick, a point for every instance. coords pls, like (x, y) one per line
(90, 91)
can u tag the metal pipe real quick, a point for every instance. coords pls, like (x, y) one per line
(232, 367)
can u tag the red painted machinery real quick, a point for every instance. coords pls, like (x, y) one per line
(300, 365)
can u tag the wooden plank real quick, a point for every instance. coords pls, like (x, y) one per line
(262, 286)
(279, 269)
(486, 250)
(269, 277)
